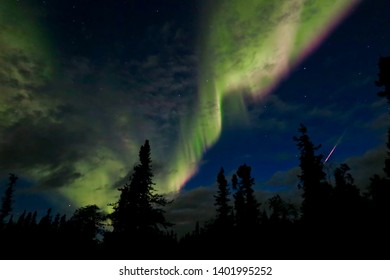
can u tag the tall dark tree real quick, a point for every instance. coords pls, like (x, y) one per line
(138, 217)
(316, 191)
(6, 205)
(224, 218)
(246, 206)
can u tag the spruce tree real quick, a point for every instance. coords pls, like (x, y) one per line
(316, 191)
(6, 206)
(224, 219)
(139, 208)
(246, 206)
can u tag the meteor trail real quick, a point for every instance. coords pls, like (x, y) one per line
(334, 147)
(331, 152)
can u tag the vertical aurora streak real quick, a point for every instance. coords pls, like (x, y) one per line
(246, 50)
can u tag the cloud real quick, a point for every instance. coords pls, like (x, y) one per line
(18, 70)
(283, 183)
(272, 113)
(61, 177)
(365, 166)
(37, 141)
(287, 178)
(191, 206)
(380, 123)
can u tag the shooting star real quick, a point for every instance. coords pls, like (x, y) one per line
(334, 147)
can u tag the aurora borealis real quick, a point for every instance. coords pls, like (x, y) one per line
(244, 52)
(84, 83)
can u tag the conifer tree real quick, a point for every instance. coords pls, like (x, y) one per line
(139, 209)
(246, 206)
(224, 219)
(6, 206)
(316, 191)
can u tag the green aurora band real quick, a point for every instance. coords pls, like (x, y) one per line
(246, 50)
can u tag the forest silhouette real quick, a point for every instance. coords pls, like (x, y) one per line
(334, 221)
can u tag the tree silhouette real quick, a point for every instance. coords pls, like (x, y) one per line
(224, 218)
(218, 232)
(246, 206)
(138, 212)
(139, 207)
(316, 191)
(6, 205)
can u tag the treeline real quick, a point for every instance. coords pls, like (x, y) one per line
(334, 221)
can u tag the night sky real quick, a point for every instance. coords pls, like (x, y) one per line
(211, 84)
